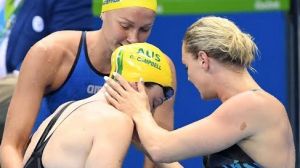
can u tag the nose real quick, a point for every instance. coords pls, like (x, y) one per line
(132, 36)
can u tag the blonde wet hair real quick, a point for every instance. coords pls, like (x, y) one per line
(222, 40)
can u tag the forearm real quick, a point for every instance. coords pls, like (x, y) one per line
(10, 157)
(13, 145)
(153, 138)
(164, 115)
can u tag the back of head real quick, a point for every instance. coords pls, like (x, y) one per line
(108, 5)
(221, 39)
(143, 60)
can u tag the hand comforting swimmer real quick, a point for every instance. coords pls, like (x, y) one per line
(126, 92)
(125, 97)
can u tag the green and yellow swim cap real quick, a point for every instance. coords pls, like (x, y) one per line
(143, 60)
(108, 5)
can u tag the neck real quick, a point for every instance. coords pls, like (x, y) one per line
(98, 51)
(231, 83)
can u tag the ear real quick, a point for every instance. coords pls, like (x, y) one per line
(203, 60)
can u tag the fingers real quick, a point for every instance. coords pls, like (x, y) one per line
(114, 87)
(122, 81)
(121, 94)
(112, 92)
(115, 94)
(111, 100)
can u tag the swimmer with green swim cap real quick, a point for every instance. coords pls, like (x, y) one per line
(103, 132)
(143, 61)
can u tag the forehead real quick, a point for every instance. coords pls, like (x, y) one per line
(134, 13)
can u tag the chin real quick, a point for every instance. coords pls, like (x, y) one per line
(206, 96)
(114, 47)
(202, 96)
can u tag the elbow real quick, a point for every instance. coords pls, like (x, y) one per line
(160, 148)
(15, 146)
(158, 154)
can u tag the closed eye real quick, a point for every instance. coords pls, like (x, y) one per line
(145, 29)
(157, 102)
(125, 26)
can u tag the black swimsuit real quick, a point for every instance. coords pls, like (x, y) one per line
(233, 157)
(35, 160)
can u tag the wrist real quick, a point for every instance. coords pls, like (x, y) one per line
(142, 116)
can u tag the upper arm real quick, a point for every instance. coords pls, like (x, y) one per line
(224, 127)
(164, 114)
(37, 72)
(111, 141)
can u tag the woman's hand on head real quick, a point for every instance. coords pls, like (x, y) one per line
(124, 97)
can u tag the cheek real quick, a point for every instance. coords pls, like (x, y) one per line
(198, 83)
(190, 73)
(143, 36)
(150, 102)
(119, 34)
(114, 31)
(193, 76)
